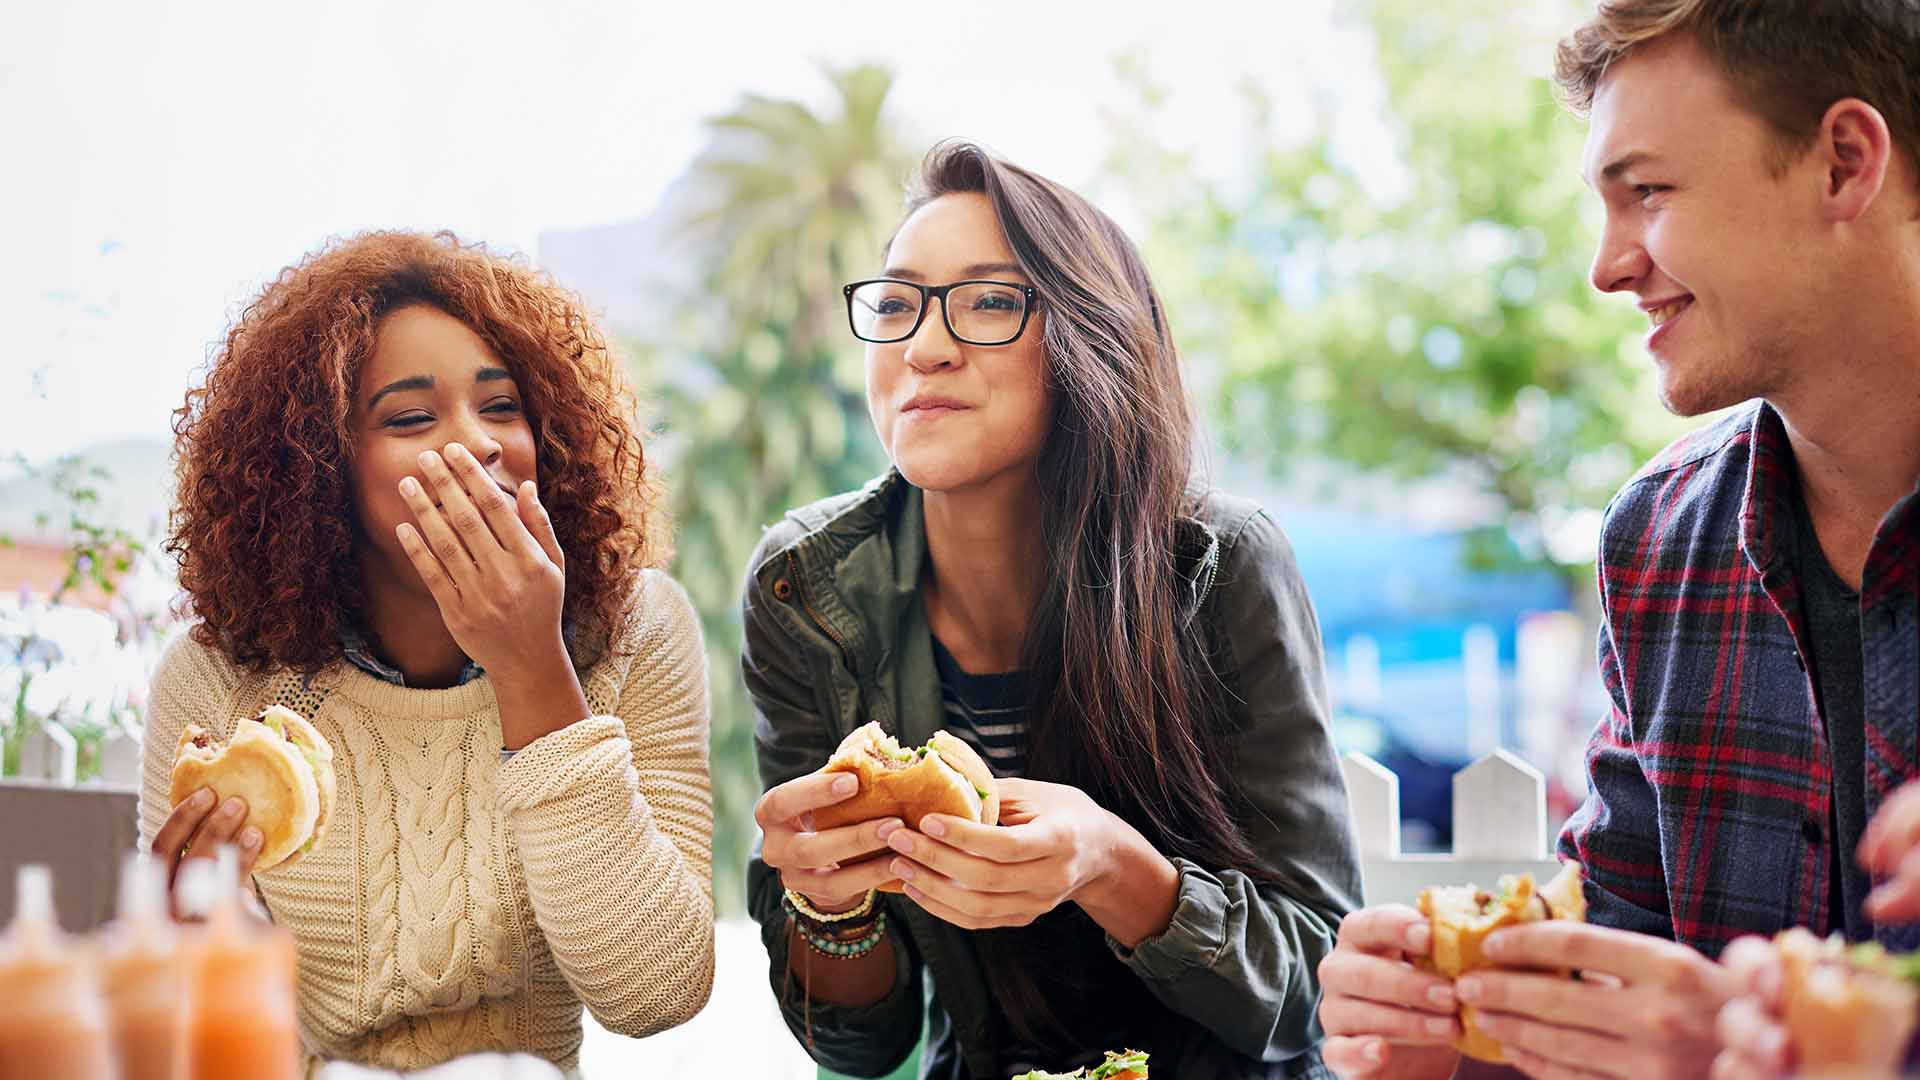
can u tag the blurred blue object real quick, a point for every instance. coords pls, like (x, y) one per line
(1411, 590)
(1413, 595)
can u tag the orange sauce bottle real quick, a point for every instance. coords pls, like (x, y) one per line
(143, 973)
(241, 1022)
(52, 1021)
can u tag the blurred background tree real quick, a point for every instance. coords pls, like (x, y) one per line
(1425, 318)
(758, 387)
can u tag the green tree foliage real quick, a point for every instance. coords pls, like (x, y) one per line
(96, 555)
(1427, 320)
(761, 392)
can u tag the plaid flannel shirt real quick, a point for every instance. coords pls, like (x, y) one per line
(1711, 778)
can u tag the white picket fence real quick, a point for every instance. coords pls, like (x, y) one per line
(1499, 827)
(49, 755)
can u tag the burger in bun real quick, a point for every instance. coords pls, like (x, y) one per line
(1849, 1008)
(1462, 916)
(279, 764)
(945, 776)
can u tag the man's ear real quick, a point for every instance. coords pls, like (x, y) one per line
(1855, 150)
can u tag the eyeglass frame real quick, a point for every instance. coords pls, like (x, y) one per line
(929, 293)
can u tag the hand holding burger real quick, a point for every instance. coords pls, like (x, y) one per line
(1462, 916)
(1821, 1008)
(821, 831)
(945, 776)
(273, 782)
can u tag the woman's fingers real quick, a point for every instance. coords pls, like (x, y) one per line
(832, 847)
(439, 536)
(460, 514)
(1898, 900)
(1350, 973)
(1754, 1042)
(839, 886)
(1893, 832)
(1754, 964)
(498, 508)
(251, 840)
(981, 911)
(174, 836)
(222, 826)
(425, 563)
(1352, 1016)
(1354, 1057)
(783, 803)
(533, 514)
(1389, 929)
(984, 875)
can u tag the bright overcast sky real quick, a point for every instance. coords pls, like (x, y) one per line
(165, 158)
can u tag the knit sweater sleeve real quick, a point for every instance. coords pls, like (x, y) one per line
(614, 819)
(191, 685)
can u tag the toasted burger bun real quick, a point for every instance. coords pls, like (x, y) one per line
(1846, 1019)
(946, 780)
(319, 754)
(1462, 917)
(279, 764)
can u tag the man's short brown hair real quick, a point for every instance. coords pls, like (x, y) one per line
(1788, 60)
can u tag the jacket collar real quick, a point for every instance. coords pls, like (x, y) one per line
(861, 555)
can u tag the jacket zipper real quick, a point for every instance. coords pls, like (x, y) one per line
(1206, 587)
(793, 574)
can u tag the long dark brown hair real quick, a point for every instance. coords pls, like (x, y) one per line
(1126, 704)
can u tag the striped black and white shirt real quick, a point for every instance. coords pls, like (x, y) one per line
(988, 711)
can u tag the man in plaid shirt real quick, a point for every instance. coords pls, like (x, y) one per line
(1759, 161)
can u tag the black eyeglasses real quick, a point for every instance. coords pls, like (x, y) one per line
(885, 310)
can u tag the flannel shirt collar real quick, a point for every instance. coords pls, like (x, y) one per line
(1767, 519)
(354, 645)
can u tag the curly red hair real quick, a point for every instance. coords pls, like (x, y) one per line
(263, 525)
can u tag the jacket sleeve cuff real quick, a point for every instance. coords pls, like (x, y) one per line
(1192, 939)
(843, 1037)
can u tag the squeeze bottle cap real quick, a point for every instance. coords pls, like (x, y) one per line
(33, 893)
(143, 889)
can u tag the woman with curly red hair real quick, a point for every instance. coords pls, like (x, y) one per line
(414, 508)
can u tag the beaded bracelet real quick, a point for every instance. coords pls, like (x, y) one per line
(841, 932)
(847, 950)
(800, 906)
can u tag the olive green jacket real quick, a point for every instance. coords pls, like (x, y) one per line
(836, 636)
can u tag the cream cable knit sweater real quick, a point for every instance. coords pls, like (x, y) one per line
(458, 904)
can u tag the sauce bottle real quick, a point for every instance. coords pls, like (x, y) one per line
(52, 1021)
(241, 1022)
(143, 975)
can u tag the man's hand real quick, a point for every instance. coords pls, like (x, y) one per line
(1756, 1045)
(1644, 1008)
(1890, 849)
(1385, 1018)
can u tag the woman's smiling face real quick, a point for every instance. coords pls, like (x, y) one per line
(430, 382)
(953, 415)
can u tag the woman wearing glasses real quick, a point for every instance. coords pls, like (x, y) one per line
(1135, 656)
